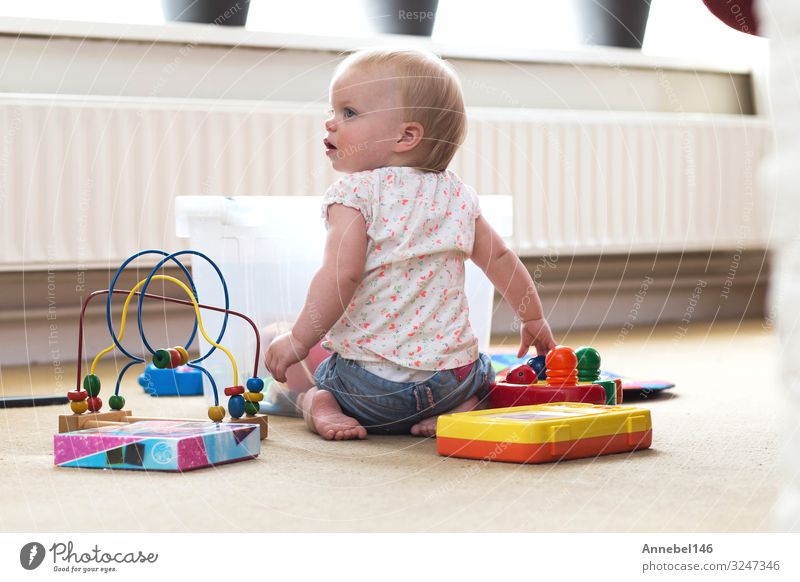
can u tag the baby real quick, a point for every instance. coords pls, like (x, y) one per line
(389, 299)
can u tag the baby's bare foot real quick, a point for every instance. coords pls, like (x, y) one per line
(427, 427)
(325, 417)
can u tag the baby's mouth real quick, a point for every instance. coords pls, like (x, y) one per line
(328, 145)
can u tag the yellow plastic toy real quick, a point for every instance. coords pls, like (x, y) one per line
(543, 433)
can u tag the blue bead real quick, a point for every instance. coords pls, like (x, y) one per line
(255, 385)
(538, 366)
(236, 406)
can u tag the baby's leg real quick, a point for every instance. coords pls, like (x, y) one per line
(324, 416)
(427, 427)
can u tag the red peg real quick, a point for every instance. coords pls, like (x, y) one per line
(562, 364)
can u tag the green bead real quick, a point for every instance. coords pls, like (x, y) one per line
(91, 384)
(251, 408)
(116, 402)
(588, 364)
(162, 359)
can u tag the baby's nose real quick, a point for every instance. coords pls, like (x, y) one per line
(330, 124)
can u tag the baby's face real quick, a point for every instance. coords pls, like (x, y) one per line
(365, 123)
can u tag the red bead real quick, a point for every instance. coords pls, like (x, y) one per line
(95, 403)
(174, 358)
(77, 395)
(234, 390)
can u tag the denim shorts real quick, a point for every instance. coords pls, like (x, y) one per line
(386, 407)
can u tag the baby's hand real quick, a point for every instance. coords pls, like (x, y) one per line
(284, 351)
(536, 332)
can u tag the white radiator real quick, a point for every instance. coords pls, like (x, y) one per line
(89, 181)
(590, 182)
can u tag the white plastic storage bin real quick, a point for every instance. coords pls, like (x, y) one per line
(268, 249)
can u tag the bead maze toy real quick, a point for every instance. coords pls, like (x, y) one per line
(117, 439)
(543, 433)
(567, 380)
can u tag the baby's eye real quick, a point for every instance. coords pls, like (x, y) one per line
(349, 113)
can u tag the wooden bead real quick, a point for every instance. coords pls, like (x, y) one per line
(253, 396)
(79, 407)
(234, 390)
(251, 408)
(95, 403)
(255, 384)
(77, 395)
(162, 359)
(174, 358)
(236, 406)
(116, 402)
(216, 413)
(91, 384)
(184, 354)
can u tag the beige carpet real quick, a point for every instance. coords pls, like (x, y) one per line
(712, 467)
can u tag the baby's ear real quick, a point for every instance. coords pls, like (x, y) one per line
(410, 137)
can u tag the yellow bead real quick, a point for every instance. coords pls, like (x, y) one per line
(79, 407)
(216, 413)
(253, 396)
(184, 354)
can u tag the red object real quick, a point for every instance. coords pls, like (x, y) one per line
(95, 403)
(618, 382)
(543, 452)
(463, 372)
(77, 395)
(234, 390)
(521, 374)
(562, 366)
(174, 358)
(505, 395)
(739, 15)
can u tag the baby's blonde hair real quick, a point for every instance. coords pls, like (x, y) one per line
(430, 94)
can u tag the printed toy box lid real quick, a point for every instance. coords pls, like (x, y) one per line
(157, 445)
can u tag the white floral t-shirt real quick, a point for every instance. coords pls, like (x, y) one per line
(410, 307)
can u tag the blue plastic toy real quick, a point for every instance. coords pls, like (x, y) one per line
(180, 381)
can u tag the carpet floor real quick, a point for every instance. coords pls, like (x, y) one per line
(713, 465)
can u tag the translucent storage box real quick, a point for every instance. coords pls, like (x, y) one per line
(268, 248)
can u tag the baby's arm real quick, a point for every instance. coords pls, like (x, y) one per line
(512, 280)
(330, 291)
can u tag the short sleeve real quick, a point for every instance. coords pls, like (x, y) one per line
(473, 196)
(355, 191)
